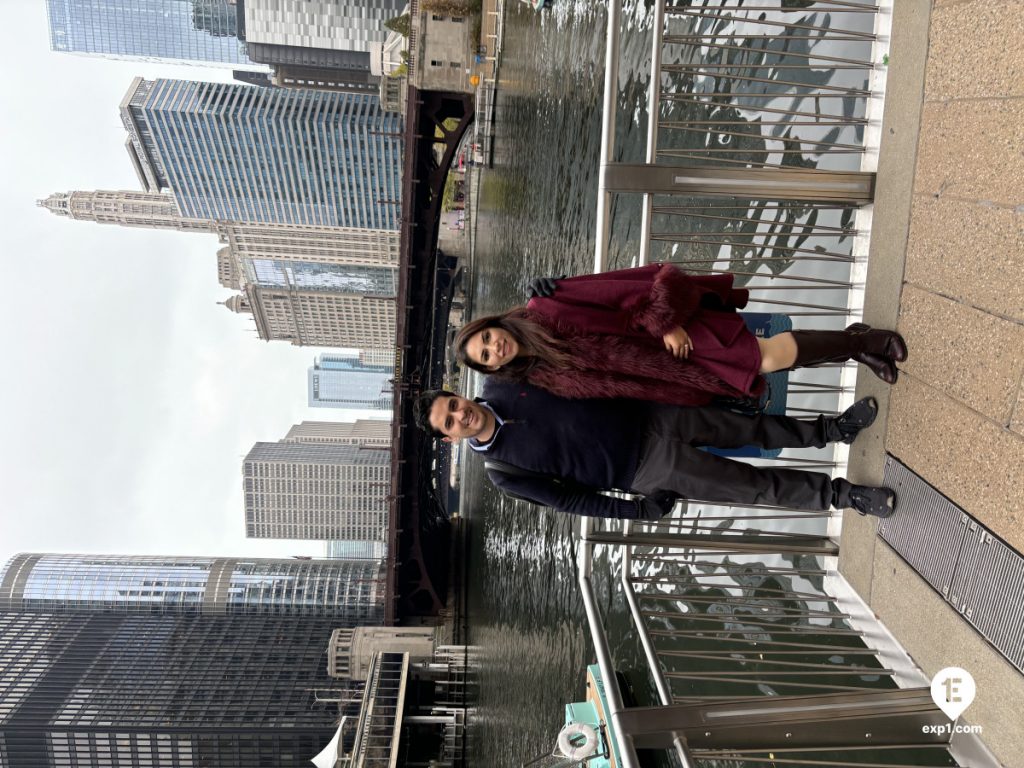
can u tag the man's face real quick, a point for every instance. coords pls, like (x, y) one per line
(459, 418)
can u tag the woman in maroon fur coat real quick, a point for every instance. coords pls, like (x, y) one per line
(655, 333)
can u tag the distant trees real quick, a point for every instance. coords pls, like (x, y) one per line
(450, 7)
(400, 24)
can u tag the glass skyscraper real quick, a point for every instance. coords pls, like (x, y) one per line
(129, 662)
(201, 31)
(343, 381)
(268, 155)
(137, 691)
(350, 591)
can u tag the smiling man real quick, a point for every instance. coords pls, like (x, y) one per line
(561, 453)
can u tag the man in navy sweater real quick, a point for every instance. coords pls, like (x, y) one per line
(561, 453)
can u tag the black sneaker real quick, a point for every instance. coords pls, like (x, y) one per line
(845, 427)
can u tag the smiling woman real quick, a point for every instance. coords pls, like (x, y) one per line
(654, 333)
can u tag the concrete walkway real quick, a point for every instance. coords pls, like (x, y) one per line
(947, 269)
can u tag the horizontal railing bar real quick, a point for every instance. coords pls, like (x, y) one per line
(777, 662)
(754, 601)
(745, 238)
(748, 600)
(851, 748)
(726, 567)
(681, 126)
(756, 621)
(731, 36)
(742, 532)
(759, 123)
(688, 580)
(683, 40)
(696, 96)
(795, 673)
(845, 764)
(728, 652)
(778, 683)
(855, 34)
(764, 65)
(771, 205)
(772, 593)
(684, 238)
(740, 259)
(744, 163)
(737, 150)
(811, 229)
(703, 633)
(797, 278)
(765, 543)
(798, 516)
(824, 6)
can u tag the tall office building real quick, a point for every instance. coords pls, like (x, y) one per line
(368, 432)
(317, 318)
(234, 152)
(306, 285)
(343, 381)
(351, 592)
(175, 31)
(357, 246)
(135, 691)
(322, 25)
(90, 675)
(324, 491)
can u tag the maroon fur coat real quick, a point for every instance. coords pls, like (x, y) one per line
(614, 323)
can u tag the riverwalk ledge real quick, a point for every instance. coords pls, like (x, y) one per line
(946, 262)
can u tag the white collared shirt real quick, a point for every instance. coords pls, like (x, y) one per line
(475, 444)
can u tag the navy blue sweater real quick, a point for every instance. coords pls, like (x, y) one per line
(591, 444)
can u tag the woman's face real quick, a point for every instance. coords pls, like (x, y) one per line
(492, 348)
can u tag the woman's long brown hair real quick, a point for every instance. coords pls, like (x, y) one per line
(537, 345)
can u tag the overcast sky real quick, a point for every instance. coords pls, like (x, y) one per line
(130, 395)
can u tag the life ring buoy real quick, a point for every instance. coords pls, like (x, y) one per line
(569, 741)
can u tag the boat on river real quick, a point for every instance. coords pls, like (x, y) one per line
(586, 738)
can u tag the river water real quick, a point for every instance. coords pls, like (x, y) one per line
(537, 217)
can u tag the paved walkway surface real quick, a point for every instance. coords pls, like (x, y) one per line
(947, 269)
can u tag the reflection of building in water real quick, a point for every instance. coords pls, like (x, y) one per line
(344, 381)
(349, 591)
(414, 703)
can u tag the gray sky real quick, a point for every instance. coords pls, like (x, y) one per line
(130, 396)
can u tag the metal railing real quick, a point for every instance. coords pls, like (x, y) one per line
(758, 650)
(761, 147)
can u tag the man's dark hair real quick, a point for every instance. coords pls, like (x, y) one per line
(421, 410)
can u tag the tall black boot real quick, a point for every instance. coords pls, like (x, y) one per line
(877, 349)
(865, 499)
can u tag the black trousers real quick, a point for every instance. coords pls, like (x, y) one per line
(671, 459)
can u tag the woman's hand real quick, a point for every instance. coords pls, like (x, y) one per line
(677, 341)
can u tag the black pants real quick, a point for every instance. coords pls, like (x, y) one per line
(671, 459)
